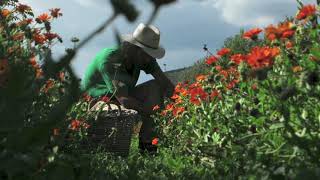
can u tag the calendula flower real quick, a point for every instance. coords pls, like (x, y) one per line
(175, 96)
(213, 94)
(289, 44)
(223, 51)
(105, 99)
(55, 12)
(296, 69)
(25, 22)
(39, 38)
(252, 34)
(178, 110)
(22, 8)
(49, 85)
(306, 11)
(201, 77)
(75, 125)
(50, 36)
(238, 58)
(86, 97)
(18, 36)
(43, 18)
(260, 57)
(155, 141)
(5, 13)
(156, 107)
(169, 107)
(211, 60)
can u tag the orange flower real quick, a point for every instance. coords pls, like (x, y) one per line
(55, 12)
(175, 96)
(197, 92)
(50, 36)
(296, 69)
(39, 38)
(254, 86)
(75, 124)
(25, 22)
(211, 60)
(49, 85)
(18, 36)
(218, 68)
(155, 141)
(105, 99)
(201, 77)
(289, 44)
(5, 13)
(260, 57)
(238, 58)
(223, 51)
(305, 11)
(156, 107)
(164, 113)
(178, 110)
(86, 97)
(252, 34)
(22, 8)
(43, 17)
(169, 107)
(214, 93)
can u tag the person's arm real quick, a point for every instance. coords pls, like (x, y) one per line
(165, 83)
(122, 95)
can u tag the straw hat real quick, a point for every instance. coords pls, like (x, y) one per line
(148, 38)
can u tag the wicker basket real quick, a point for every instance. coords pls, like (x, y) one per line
(113, 128)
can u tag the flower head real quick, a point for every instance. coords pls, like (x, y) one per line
(55, 12)
(43, 18)
(260, 57)
(223, 51)
(238, 58)
(306, 11)
(155, 141)
(252, 34)
(211, 60)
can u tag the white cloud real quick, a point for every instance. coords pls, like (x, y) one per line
(255, 12)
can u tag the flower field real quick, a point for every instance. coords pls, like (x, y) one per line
(254, 115)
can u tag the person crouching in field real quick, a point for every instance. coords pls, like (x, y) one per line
(116, 71)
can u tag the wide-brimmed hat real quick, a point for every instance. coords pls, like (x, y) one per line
(148, 38)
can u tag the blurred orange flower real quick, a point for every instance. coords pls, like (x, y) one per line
(155, 141)
(55, 12)
(201, 77)
(43, 17)
(305, 11)
(252, 34)
(238, 58)
(223, 51)
(22, 8)
(211, 60)
(260, 57)
(156, 107)
(178, 110)
(5, 13)
(296, 69)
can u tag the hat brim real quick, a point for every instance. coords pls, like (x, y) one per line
(155, 53)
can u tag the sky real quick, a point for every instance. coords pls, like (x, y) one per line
(185, 26)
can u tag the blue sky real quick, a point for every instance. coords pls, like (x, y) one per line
(185, 26)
